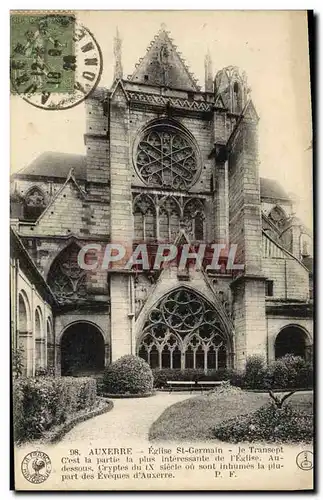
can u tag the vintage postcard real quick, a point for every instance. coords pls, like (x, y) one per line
(161, 263)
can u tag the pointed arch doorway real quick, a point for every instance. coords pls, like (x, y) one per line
(82, 350)
(184, 331)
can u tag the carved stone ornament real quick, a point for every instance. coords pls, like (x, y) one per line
(167, 157)
(183, 330)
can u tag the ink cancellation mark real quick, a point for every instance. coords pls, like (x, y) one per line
(304, 460)
(55, 62)
(36, 467)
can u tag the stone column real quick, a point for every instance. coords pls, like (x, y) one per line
(245, 227)
(121, 220)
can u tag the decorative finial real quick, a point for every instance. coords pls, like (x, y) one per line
(118, 70)
(208, 72)
(163, 27)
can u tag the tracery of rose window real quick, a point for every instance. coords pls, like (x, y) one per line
(166, 157)
(183, 331)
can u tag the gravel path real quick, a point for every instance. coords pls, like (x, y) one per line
(130, 419)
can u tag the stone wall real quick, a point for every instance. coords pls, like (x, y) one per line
(291, 279)
(34, 336)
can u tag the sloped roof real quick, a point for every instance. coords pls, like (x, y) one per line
(164, 65)
(55, 164)
(29, 267)
(269, 188)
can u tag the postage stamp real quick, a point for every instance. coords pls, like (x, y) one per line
(54, 62)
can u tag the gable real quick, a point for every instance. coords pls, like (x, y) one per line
(162, 65)
(65, 214)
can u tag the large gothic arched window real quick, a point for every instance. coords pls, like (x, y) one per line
(184, 331)
(166, 156)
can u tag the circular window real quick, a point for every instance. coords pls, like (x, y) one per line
(166, 156)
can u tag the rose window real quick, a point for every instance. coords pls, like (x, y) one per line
(167, 157)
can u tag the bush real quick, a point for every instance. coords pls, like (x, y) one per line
(100, 387)
(17, 410)
(254, 372)
(268, 424)
(189, 374)
(45, 372)
(128, 375)
(289, 372)
(237, 379)
(41, 403)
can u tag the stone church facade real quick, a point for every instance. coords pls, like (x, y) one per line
(165, 162)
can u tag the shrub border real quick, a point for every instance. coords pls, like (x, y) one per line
(128, 396)
(57, 433)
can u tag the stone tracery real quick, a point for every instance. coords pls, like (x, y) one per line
(166, 157)
(183, 331)
(160, 217)
(144, 217)
(66, 279)
(35, 203)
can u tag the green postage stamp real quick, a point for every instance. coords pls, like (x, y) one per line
(55, 62)
(42, 53)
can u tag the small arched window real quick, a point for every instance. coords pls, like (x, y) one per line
(39, 340)
(169, 218)
(23, 327)
(277, 215)
(194, 217)
(237, 98)
(144, 218)
(34, 204)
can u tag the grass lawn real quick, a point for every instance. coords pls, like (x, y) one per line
(194, 418)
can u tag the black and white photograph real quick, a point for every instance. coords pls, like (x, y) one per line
(161, 250)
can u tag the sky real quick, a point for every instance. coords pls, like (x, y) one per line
(271, 46)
